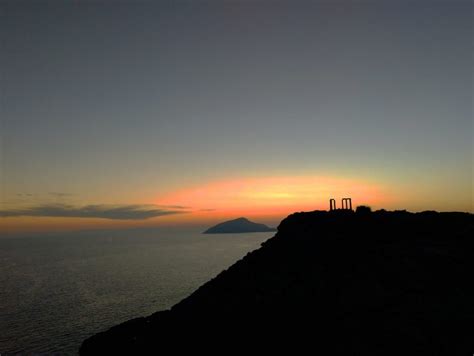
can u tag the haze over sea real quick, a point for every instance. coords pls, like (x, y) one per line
(58, 289)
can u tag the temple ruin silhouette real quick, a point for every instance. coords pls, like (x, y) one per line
(346, 204)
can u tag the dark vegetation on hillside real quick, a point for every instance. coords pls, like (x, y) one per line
(340, 282)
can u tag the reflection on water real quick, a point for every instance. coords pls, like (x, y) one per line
(58, 290)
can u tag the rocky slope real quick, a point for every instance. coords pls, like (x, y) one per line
(332, 283)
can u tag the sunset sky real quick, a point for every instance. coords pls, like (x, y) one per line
(171, 113)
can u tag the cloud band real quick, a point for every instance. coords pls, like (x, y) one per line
(113, 212)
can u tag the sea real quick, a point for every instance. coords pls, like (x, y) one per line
(58, 289)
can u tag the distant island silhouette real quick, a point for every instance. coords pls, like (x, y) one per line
(240, 225)
(338, 282)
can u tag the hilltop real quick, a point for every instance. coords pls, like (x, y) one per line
(240, 225)
(330, 282)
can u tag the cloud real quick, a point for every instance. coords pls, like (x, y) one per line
(114, 212)
(175, 207)
(60, 195)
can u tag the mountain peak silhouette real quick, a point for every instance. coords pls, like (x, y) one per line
(239, 225)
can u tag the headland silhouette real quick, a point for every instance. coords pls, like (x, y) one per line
(329, 282)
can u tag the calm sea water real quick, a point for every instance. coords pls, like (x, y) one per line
(57, 290)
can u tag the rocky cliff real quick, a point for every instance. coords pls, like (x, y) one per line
(332, 283)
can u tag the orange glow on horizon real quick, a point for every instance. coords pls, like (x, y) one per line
(268, 199)
(271, 196)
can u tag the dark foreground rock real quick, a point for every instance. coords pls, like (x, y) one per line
(327, 283)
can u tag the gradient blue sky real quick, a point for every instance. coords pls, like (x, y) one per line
(110, 102)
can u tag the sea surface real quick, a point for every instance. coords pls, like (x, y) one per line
(56, 290)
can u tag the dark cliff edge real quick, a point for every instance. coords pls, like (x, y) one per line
(328, 282)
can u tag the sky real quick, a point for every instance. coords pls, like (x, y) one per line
(120, 114)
